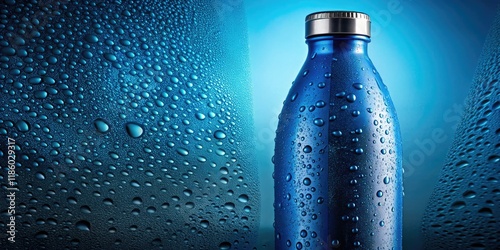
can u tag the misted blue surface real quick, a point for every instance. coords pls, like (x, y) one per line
(426, 53)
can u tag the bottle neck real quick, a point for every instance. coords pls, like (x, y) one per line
(338, 44)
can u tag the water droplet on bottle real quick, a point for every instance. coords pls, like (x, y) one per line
(335, 243)
(319, 122)
(351, 98)
(320, 104)
(337, 133)
(380, 193)
(307, 149)
(303, 233)
(298, 245)
(387, 180)
(306, 181)
(358, 86)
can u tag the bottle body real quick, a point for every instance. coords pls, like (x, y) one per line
(338, 171)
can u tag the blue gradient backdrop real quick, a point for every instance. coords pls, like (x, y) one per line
(426, 52)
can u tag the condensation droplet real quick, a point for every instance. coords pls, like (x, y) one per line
(101, 125)
(358, 86)
(319, 122)
(225, 245)
(219, 134)
(83, 225)
(306, 181)
(134, 130)
(243, 198)
(23, 126)
(351, 98)
(380, 193)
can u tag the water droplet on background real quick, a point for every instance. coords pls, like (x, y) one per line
(219, 134)
(351, 98)
(461, 214)
(112, 101)
(134, 130)
(83, 225)
(101, 125)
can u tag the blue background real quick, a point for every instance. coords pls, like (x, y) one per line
(426, 52)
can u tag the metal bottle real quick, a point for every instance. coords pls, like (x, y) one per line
(338, 154)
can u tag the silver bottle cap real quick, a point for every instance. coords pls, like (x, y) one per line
(337, 23)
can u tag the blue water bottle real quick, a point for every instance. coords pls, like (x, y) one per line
(338, 155)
